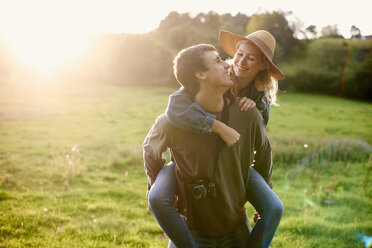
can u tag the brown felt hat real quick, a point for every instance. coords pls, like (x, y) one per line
(261, 38)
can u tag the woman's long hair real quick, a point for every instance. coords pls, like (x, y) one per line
(263, 80)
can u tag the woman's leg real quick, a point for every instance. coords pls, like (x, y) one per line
(268, 205)
(161, 202)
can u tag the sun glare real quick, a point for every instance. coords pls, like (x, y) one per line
(45, 51)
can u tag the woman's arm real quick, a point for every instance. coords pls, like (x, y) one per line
(187, 115)
(228, 134)
(263, 106)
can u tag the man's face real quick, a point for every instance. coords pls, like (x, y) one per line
(217, 73)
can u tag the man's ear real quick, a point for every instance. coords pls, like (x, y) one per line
(200, 75)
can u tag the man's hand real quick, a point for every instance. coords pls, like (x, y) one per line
(256, 215)
(228, 134)
(246, 103)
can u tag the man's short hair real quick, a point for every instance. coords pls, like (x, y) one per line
(189, 61)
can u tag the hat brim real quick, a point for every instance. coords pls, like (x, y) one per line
(228, 42)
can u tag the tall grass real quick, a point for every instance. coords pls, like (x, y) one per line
(71, 169)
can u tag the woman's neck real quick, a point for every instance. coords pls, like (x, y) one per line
(243, 82)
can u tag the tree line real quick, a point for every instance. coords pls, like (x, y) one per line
(146, 59)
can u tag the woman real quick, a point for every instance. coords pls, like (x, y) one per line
(256, 78)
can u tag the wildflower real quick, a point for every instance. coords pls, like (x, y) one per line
(75, 148)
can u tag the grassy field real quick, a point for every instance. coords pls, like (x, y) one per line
(71, 169)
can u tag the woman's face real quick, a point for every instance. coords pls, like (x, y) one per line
(248, 61)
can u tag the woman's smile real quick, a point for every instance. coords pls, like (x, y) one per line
(242, 68)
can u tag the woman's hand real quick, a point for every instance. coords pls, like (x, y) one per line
(256, 215)
(246, 103)
(228, 134)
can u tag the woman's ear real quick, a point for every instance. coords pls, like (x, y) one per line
(265, 65)
(200, 75)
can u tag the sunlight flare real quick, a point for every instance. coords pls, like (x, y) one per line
(46, 51)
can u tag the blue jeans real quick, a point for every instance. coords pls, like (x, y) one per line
(161, 203)
(259, 194)
(236, 239)
(268, 205)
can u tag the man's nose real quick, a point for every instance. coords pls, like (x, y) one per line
(225, 64)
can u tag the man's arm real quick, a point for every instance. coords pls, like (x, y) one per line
(263, 157)
(155, 144)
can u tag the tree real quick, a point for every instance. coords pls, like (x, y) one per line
(175, 30)
(277, 24)
(236, 24)
(173, 19)
(312, 31)
(355, 32)
(296, 25)
(330, 31)
(208, 32)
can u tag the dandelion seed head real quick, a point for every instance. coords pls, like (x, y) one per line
(75, 148)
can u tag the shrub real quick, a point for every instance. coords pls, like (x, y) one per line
(332, 66)
(361, 84)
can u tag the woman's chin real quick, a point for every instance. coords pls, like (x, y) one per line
(239, 73)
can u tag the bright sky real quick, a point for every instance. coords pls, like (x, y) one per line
(139, 16)
(49, 33)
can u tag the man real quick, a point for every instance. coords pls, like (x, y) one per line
(211, 177)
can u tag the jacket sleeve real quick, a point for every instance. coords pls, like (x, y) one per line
(187, 115)
(155, 144)
(263, 105)
(263, 157)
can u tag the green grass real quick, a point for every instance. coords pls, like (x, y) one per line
(71, 170)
